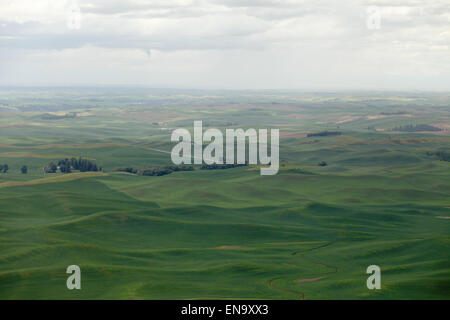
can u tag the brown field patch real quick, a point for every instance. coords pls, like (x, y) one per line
(67, 146)
(382, 116)
(442, 125)
(309, 141)
(14, 125)
(154, 116)
(277, 125)
(298, 116)
(58, 178)
(84, 114)
(439, 133)
(31, 155)
(292, 242)
(309, 280)
(345, 119)
(230, 247)
(375, 117)
(339, 120)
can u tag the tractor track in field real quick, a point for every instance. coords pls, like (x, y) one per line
(272, 285)
(317, 277)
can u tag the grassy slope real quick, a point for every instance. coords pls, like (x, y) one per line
(228, 233)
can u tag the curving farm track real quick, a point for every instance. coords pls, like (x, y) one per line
(318, 277)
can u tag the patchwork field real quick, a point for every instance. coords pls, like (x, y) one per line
(308, 232)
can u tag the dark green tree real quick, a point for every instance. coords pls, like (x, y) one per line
(50, 168)
(24, 169)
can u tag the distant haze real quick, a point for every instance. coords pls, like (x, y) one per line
(231, 44)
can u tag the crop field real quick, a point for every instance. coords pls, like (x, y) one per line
(381, 197)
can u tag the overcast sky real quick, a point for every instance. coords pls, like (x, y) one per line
(234, 44)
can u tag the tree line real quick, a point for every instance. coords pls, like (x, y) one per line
(441, 155)
(164, 170)
(84, 165)
(156, 171)
(67, 165)
(324, 134)
(416, 128)
(216, 166)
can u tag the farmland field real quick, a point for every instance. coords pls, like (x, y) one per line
(309, 232)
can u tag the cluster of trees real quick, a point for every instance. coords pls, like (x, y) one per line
(67, 165)
(163, 170)
(216, 166)
(128, 169)
(416, 128)
(4, 168)
(324, 134)
(441, 155)
(50, 168)
(156, 171)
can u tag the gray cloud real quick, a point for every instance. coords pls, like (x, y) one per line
(230, 43)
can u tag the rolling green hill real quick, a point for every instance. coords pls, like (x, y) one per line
(308, 232)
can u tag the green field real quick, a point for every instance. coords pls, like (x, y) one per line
(308, 232)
